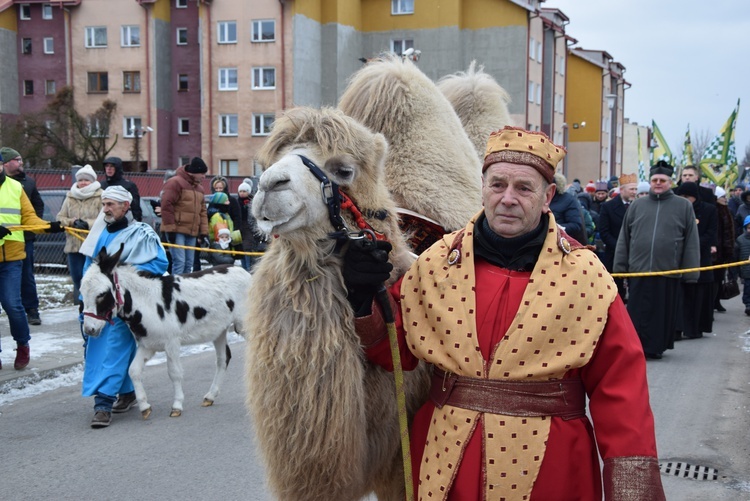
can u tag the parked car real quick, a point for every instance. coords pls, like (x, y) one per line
(48, 248)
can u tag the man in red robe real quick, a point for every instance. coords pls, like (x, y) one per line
(520, 325)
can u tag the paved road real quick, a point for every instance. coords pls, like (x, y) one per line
(699, 393)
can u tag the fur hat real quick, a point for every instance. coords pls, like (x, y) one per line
(643, 187)
(86, 172)
(601, 186)
(244, 187)
(197, 166)
(591, 187)
(689, 189)
(720, 192)
(8, 154)
(661, 167)
(219, 198)
(519, 146)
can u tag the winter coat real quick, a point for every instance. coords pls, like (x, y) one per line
(74, 208)
(610, 222)
(29, 186)
(742, 212)
(659, 233)
(183, 209)
(569, 215)
(252, 241)
(742, 252)
(725, 248)
(15, 250)
(118, 180)
(708, 236)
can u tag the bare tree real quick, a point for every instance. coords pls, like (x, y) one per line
(60, 136)
(746, 160)
(700, 142)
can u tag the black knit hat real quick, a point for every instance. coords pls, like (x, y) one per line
(662, 167)
(688, 189)
(197, 166)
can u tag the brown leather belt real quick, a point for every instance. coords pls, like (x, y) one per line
(565, 398)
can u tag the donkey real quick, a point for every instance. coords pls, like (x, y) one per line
(164, 313)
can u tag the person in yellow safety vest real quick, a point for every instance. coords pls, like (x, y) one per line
(16, 210)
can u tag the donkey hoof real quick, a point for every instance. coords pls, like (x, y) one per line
(146, 413)
(175, 413)
(207, 402)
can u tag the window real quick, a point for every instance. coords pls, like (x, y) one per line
(228, 32)
(95, 129)
(131, 81)
(49, 45)
(227, 78)
(181, 4)
(538, 93)
(50, 87)
(183, 126)
(24, 11)
(28, 87)
(539, 51)
(561, 65)
(130, 126)
(182, 36)
(182, 82)
(532, 46)
(183, 160)
(229, 167)
(228, 125)
(402, 6)
(264, 78)
(46, 11)
(264, 30)
(96, 37)
(399, 46)
(98, 81)
(531, 93)
(262, 124)
(25, 46)
(130, 36)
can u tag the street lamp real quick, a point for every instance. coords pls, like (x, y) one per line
(138, 132)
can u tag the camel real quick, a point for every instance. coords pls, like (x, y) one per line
(480, 103)
(427, 145)
(326, 420)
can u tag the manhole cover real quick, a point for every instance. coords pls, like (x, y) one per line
(687, 470)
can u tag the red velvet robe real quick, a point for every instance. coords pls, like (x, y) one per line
(614, 379)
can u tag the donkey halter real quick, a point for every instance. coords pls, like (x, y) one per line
(107, 317)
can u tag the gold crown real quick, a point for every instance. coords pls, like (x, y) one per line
(517, 139)
(628, 179)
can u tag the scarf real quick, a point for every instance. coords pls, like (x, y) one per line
(86, 192)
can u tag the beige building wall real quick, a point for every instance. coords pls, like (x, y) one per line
(243, 56)
(559, 91)
(534, 87)
(114, 59)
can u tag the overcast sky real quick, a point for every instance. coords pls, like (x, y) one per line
(688, 61)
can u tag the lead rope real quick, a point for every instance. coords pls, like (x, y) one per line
(398, 376)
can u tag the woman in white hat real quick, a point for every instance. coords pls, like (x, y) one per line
(79, 210)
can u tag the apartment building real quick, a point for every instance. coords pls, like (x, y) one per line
(206, 78)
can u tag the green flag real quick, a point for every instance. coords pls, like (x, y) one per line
(660, 149)
(687, 149)
(719, 161)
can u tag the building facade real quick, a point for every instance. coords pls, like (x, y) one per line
(207, 78)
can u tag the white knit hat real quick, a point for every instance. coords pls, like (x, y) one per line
(225, 231)
(245, 187)
(86, 172)
(720, 192)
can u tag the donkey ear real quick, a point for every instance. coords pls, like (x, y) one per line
(107, 263)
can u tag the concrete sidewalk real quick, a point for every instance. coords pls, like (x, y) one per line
(56, 347)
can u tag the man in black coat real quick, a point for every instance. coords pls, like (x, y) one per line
(13, 163)
(113, 170)
(611, 216)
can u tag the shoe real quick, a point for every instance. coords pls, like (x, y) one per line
(101, 419)
(720, 308)
(124, 403)
(747, 311)
(22, 357)
(654, 356)
(32, 315)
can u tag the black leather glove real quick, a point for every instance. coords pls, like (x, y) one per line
(4, 232)
(80, 224)
(365, 269)
(203, 241)
(55, 227)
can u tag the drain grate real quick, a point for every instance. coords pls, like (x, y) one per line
(687, 470)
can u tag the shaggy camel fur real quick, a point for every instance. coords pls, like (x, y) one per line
(431, 167)
(480, 103)
(326, 420)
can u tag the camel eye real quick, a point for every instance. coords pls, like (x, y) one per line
(338, 169)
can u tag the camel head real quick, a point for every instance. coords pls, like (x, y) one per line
(289, 202)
